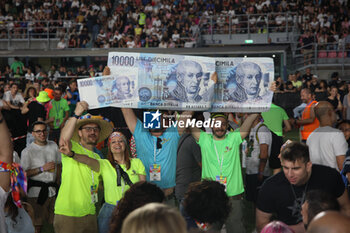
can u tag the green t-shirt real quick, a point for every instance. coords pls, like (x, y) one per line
(58, 111)
(274, 118)
(74, 195)
(15, 65)
(114, 193)
(228, 149)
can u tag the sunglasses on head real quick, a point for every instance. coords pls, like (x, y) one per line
(159, 143)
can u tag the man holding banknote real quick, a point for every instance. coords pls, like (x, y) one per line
(221, 163)
(157, 149)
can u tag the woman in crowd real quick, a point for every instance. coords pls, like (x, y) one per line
(30, 93)
(322, 87)
(334, 99)
(118, 172)
(17, 219)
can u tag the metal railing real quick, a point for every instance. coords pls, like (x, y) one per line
(322, 54)
(249, 24)
(36, 29)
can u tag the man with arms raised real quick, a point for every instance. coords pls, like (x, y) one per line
(157, 148)
(284, 193)
(221, 162)
(75, 204)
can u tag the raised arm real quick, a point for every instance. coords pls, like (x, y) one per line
(68, 129)
(130, 118)
(6, 151)
(247, 125)
(65, 148)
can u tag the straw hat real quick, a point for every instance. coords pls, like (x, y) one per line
(43, 97)
(105, 124)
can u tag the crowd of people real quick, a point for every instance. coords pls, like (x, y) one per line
(169, 24)
(187, 179)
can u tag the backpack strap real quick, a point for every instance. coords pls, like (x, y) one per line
(256, 133)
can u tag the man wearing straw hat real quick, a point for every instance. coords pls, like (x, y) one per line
(75, 204)
(35, 111)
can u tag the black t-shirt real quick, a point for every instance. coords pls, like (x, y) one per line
(35, 110)
(276, 194)
(187, 164)
(333, 102)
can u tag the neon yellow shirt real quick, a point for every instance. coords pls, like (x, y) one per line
(114, 193)
(74, 196)
(228, 150)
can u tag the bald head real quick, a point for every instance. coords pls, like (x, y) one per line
(330, 222)
(325, 113)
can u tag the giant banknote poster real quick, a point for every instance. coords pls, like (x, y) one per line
(156, 81)
(243, 85)
(175, 82)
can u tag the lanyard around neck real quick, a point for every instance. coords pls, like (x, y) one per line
(220, 162)
(92, 173)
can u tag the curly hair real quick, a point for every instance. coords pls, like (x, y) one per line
(138, 195)
(206, 201)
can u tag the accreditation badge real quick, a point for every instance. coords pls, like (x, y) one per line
(94, 195)
(222, 180)
(154, 172)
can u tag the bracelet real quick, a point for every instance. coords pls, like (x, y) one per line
(76, 116)
(41, 170)
(73, 154)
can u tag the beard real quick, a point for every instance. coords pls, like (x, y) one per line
(219, 133)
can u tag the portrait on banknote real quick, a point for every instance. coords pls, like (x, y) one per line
(122, 87)
(244, 84)
(183, 82)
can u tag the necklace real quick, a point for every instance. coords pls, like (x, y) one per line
(298, 202)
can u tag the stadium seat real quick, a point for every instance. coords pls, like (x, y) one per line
(332, 54)
(322, 54)
(341, 54)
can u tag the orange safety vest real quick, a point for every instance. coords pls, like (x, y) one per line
(307, 129)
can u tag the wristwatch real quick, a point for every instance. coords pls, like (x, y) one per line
(76, 116)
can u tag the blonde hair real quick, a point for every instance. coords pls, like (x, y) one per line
(154, 218)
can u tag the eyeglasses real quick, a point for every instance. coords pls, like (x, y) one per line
(90, 129)
(159, 143)
(40, 131)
